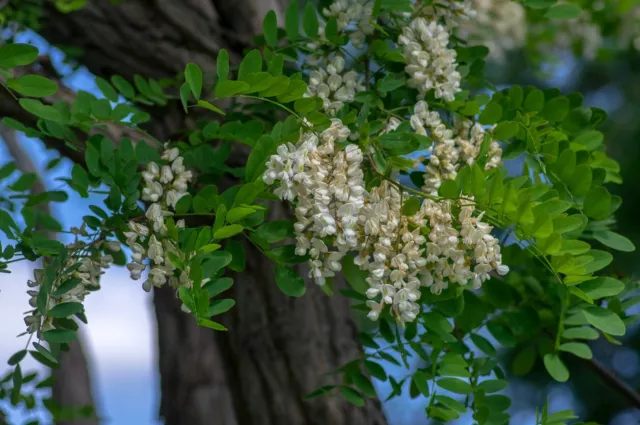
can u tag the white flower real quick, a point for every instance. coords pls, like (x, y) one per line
(429, 62)
(333, 87)
(170, 154)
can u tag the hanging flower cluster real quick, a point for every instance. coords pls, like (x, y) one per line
(335, 215)
(430, 63)
(80, 276)
(356, 12)
(452, 147)
(163, 186)
(327, 184)
(334, 86)
(450, 12)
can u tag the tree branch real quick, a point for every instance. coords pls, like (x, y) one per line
(614, 381)
(43, 67)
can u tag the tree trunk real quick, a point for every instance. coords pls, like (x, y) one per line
(277, 348)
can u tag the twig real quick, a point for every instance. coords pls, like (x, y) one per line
(614, 382)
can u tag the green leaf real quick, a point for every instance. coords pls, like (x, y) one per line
(292, 20)
(59, 336)
(375, 370)
(580, 181)
(46, 353)
(238, 259)
(123, 86)
(222, 65)
(579, 349)
(363, 384)
(275, 231)
(534, 101)
(270, 28)
(420, 380)
(351, 395)
(491, 114)
(17, 54)
(17, 357)
(185, 93)
(589, 139)
(251, 64)
(193, 76)
(455, 385)
(228, 231)
(556, 109)
(65, 310)
(449, 189)
(255, 165)
(310, 22)
(605, 320)
(206, 105)
(580, 333)
(355, 277)
(33, 86)
(602, 287)
(7, 169)
(289, 281)
(220, 306)
(564, 11)
(184, 204)
(492, 385)
(411, 206)
(601, 259)
(218, 286)
(615, 241)
(556, 367)
(39, 109)
(391, 82)
(228, 88)
(107, 89)
(211, 324)
(238, 213)
(597, 203)
(319, 392)
(506, 130)
(483, 344)
(502, 334)
(24, 182)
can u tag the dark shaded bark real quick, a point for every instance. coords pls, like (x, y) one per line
(277, 348)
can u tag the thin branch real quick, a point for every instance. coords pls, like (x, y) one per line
(614, 382)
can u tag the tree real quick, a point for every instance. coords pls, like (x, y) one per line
(358, 127)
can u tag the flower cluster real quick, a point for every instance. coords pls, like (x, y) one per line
(450, 12)
(402, 259)
(335, 215)
(327, 184)
(498, 24)
(430, 63)
(79, 276)
(356, 12)
(334, 86)
(452, 147)
(163, 187)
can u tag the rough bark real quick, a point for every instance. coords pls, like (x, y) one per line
(278, 348)
(72, 381)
